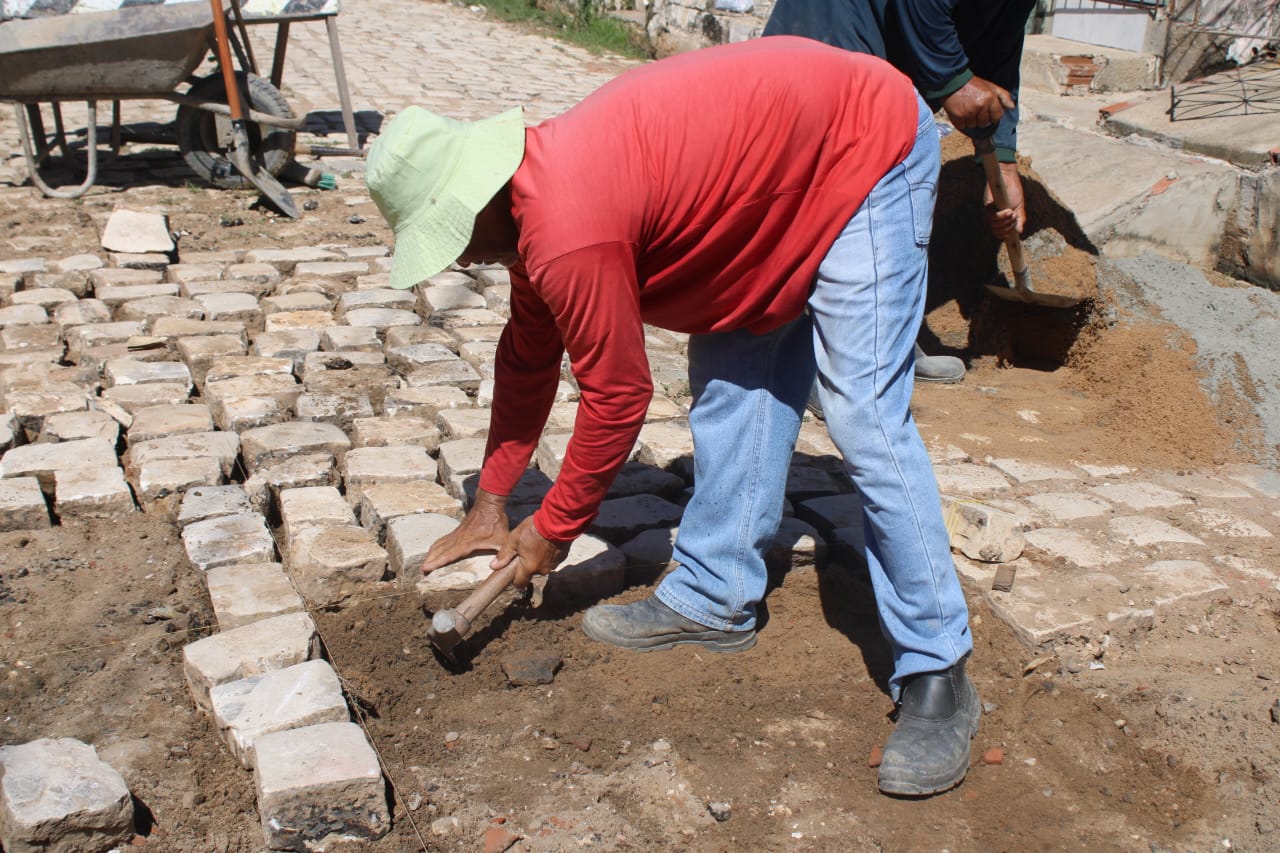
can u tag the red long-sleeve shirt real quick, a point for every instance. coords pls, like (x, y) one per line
(698, 194)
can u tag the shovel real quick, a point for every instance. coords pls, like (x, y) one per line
(1022, 291)
(239, 148)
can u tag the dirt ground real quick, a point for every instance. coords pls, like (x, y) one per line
(1171, 746)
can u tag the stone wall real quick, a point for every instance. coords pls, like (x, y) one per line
(675, 26)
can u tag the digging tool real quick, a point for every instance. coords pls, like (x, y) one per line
(239, 147)
(450, 627)
(1022, 291)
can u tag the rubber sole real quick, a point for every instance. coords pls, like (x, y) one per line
(908, 790)
(719, 641)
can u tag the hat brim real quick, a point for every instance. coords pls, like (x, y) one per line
(437, 234)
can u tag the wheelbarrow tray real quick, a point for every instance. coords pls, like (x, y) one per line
(133, 52)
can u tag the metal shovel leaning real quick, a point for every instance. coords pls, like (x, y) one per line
(1021, 291)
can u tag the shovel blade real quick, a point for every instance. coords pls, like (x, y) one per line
(261, 178)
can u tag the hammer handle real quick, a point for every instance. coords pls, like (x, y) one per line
(490, 588)
(986, 150)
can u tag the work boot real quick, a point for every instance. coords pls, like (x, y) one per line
(942, 369)
(929, 750)
(648, 625)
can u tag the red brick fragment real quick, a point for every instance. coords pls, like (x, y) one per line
(993, 756)
(497, 839)
(877, 755)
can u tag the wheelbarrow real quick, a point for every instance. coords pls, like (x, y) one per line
(233, 129)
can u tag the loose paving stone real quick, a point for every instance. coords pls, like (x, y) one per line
(173, 329)
(319, 785)
(22, 505)
(132, 398)
(423, 402)
(312, 506)
(301, 695)
(204, 502)
(1029, 472)
(200, 352)
(31, 405)
(337, 409)
(1072, 546)
(232, 307)
(1061, 507)
(71, 314)
(23, 315)
(263, 646)
(350, 339)
(184, 272)
(228, 539)
(285, 260)
(134, 231)
(160, 306)
(389, 431)
(406, 359)
(161, 421)
(464, 423)
(969, 480)
(223, 446)
(1139, 496)
(531, 667)
(114, 297)
(103, 279)
(380, 504)
(982, 532)
(1143, 531)
(161, 483)
(243, 593)
(623, 518)
(381, 297)
(97, 492)
(449, 297)
(408, 539)
(456, 373)
(667, 446)
(277, 442)
(1173, 581)
(42, 460)
(331, 564)
(370, 466)
(58, 796)
(297, 472)
(48, 298)
(298, 301)
(82, 338)
(796, 546)
(128, 371)
(1223, 523)
(293, 344)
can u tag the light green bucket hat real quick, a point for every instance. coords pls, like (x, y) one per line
(431, 175)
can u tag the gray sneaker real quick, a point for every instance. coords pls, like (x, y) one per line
(648, 625)
(928, 752)
(942, 369)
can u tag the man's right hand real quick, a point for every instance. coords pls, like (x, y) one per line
(978, 103)
(485, 528)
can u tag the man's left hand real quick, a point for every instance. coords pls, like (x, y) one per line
(538, 556)
(1006, 223)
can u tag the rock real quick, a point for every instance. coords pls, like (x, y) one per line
(135, 232)
(254, 649)
(498, 839)
(720, 811)
(982, 532)
(445, 825)
(531, 667)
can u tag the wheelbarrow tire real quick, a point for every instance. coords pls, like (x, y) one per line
(197, 132)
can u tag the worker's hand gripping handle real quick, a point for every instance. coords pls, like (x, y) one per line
(489, 589)
(986, 150)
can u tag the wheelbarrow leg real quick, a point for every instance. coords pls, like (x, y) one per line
(34, 167)
(344, 95)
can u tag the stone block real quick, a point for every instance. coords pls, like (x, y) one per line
(621, 519)
(184, 272)
(301, 695)
(479, 353)
(382, 319)
(291, 320)
(1143, 532)
(331, 564)
(318, 785)
(161, 483)
(982, 532)
(1139, 495)
(48, 298)
(166, 420)
(1175, 581)
(337, 409)
(342, 271)
(462, 317)
(70, 314)
(23, 315)
(241, 413)
(129, 371)
(968, 479)
(151, 307)
(1222, 523)
(350, 339)
(228, 539)
(73, 426)
(137, 232)
(101, 279)
(277, 442)
(42, 460)
(197, 289)
(367, 466)
(384, 432)
(22, 505)
(297, 301)
(406, 359)
(1074, 547)
(460, 457)
(281, 388)
(285, 260)
(204, 502)
(132, 398)
(1020, 471)
(243, 593)
(423, 402)
(409, 537)
(464, 423)
(795, 546)
(1062, 507)
(406, 336)
(293, 344)
(1264, 481)
(232, 307)
(465, 335)
(16, 339)
(648, 555)
(150, 261)
(380, 504)
(259, 647)
(92, 492)
(449, 297)
(115, 296)
(379, 297)
(592, 570)
(455, 373)
(668, 446)
(31, 405)
(222, 446)
(200, 352)
(235, 366)
(312, 506)
(175, 328)
(58, 796)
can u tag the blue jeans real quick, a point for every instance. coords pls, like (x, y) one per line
(749, 395)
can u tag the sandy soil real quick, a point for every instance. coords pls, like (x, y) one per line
(1171, 747)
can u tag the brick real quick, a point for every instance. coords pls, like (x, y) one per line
(312, 506)
(278, 442)
(222, 446)
(166, 420)
(57, 795)
(380, 504)
(622, 518)
(1139, 495)
(131, 398)
(201, 503)
(317, 785)
(22, 505)
(243, 593)
(42, 460)
(92, 492)
(1143, 531)
(331, 564)
(301, 695)
(982, 532)
(259, 647)
(228, 539)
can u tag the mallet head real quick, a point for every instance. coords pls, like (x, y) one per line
(448, 629)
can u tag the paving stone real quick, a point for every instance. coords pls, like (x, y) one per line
(166, 420)
(318, 785)
(161, 483)
(301, 695)
(228, 539)
(425, 402)
(331, 564)
(1041, 611)
(8, 430)
(261, 276)
(982, 532)
(259, 647)
(456, 373)
(58, 796)
(198, 289)
(205, 502)
(1061, 507)
(636, 478)
(407, 336)
(102, 279)
(81, 338)
(1139, 495)
(464, 423)
(293, 344)
(381, 319)
(200, 352)
(318, 364)
(48, 298)
(1264, 481)
(406, 359)
(550, 453)
(381, 297)
(292, 320)
(1028, 472)
(235, 414)
(1204, 486)
(830, 512)
(337, 409)
(184, 272)
(23, 315)
(380, 504)
(244, 593)
(71, 314)
(30, 406)
(232, 307)
(132, 398)
(479, 353)
(159, 306)
(1174, 581)
(968, 479)
(1072, 546)
(796, 546)
(116, 296)
(222, 446)
(593, 570)
(233, 366)
(667, 446)
(312, 506)
(42, 460)
(282, 389)
(150, 261)
(280, 441)
(83, 262)
(97, 492)
(173, 329)
(460, 457)
(343, 271)
(137, 232)
(368, 466)
(17, 338)
(296, 472)
(1223, 523)
(295, 302)
(350, 339)
(622, 518)
(449, 297)
(409, 537)
(22, 505)
(285, 260)
(128, 371)
(460, 317)
(497, 298)
(1143, 531)
(648, 555)
(390, 431)
(805, 480)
